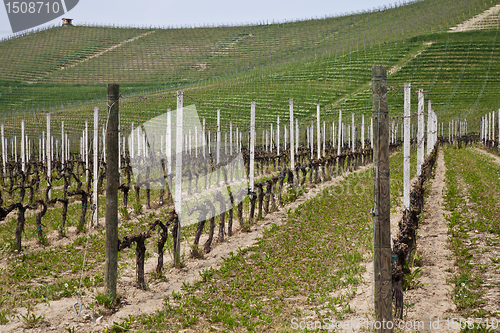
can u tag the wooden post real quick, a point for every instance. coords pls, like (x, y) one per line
(353, 146)
(4, 153)
(292, 152)
(429, 128)
(203, 141)
(382, 203)
(130, 141)
(95, 198)
(43, 157)
(119, 152)
(340, 132)
(420, 132)
(363, 131)
(267, 141)
(67, 145)
(297, 137)
(435, 128)
(23, 145)
(333, 134)
(252, 144)
(49, 156)
(406, 170)
(492, 126)
(168, 143)
(324, 138)
(449, 131)
(392, 131)
(318, 132)
(238, 140)
(178, 174)
(277, 135)
(196, 142)
(218, 137)
(285, 136)
(488, 127)
(111, 263)
(371, 133)
(348, 135)
(86, 149)
(63, 144)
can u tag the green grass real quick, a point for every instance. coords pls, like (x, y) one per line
(472, 193)
(46, 274)
(296, 269)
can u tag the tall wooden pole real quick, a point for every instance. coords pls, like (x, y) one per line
(420, 132)
(131, 140)
(382, 207)
(340, 133)
(49, 156)
(429, 128)
(466, 128)
(318, 132)
(4, 152)
(252, 144)
(371, 133)
(292, 152)
(297, 133)
(23, 145)
(95, 197)
(112, 176)
(324, 138)
(63, 145)
(406, 171)
(178, 174)
(168, 142)
(353, 138)
(218, 137)
(86, 149)
(277, 135)
(363, 131)
(204, 139)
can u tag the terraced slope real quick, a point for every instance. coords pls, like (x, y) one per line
(80, 58)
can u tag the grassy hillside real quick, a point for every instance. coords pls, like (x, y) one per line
(83, 57)
(326, 61)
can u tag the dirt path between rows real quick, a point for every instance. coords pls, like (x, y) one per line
(60, 315)
(431, 300)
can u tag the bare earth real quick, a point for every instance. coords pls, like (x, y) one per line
(480, 21)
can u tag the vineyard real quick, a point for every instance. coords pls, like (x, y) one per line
(245, 162)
